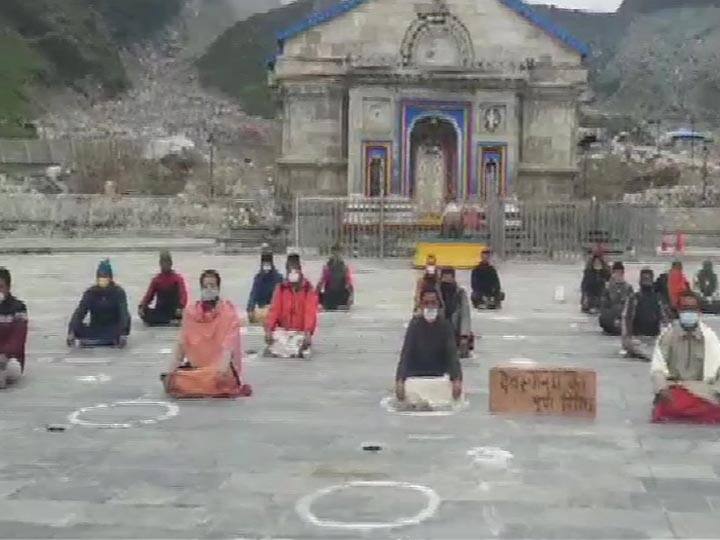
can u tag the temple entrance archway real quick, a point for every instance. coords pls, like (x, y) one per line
(434, 151)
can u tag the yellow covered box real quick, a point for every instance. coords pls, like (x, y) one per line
(461, 255)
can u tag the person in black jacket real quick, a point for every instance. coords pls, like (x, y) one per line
(643, 318)
(106, 303)
(486, 290)
(430, 349)
(595, 278)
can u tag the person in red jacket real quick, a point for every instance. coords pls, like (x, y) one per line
(13, 332)
(678, 284)
(169, 292)
(293, 312)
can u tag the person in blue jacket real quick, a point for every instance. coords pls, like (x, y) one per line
(263, 288)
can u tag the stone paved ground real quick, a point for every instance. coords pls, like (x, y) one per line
(238, 469)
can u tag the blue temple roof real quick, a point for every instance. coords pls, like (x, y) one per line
(518, 6)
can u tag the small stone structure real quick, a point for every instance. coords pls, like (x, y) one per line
(429, 99)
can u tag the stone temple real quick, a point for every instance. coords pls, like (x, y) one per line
(429, 99)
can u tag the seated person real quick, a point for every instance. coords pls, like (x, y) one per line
(643, 318)
(685, 369)
(263, 288)
(595, 278)
(208, 355)
(335, 288)
(457, 311)
(613, 301)
(168, 291)
(292, 319)
(486, 290)
(106, 303)
(429, 352)
(13, 332)
(706, 283)
(430, 279)
(677, 284)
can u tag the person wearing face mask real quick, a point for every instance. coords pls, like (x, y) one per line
(643, 318)
(595, 278)
(430, 279)
(263, 287)
(167, 289)
(335, 288)
(106, 303)
(292, 319)
(429, 357)
(685, 368)
(457, 311)
(613, 301)
(486, 290)
(13, 332)
(208, 356)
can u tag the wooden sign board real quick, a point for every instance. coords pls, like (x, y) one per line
(535, 389)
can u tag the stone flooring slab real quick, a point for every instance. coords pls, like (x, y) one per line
(239, 469)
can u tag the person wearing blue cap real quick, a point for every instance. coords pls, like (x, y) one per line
(106, 303)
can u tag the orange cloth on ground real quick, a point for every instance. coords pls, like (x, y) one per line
(208, 338)
(677, 284)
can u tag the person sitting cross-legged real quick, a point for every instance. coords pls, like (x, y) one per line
(613, 301)
(429, 370)
(457, 311)
(486, 290)
(292, 319)
(335, 288)
(13, 332)
(168, 291)
(595, 278)
(106, 303)
(685, 369)
(208, 356)
(263, 288)
(643, 318)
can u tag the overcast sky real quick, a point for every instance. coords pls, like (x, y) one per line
(594, 5)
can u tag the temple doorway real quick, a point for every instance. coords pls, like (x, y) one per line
(433, 163)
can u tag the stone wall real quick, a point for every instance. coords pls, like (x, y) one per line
(75, 215)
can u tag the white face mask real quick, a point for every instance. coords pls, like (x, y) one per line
(266, 267)
(430, 270)
(209, 294)
(689, 320)
(294, 277)
(430, 314)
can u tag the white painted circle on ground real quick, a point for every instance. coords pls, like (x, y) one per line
(504, 318)
(388, 403)
(304, 506)
(514, 338)
(171, 410)
(166, 350)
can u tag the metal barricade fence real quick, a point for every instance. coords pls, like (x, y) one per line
(368, 227)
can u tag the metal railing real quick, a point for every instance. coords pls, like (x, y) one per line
(392, 227)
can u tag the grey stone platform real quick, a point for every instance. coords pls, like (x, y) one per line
(238, 469)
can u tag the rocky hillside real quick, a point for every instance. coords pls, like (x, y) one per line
(653, 58)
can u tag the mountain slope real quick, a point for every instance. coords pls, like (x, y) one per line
(236, 63)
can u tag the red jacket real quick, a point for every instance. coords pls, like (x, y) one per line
(677, 284)
(293, 310)
(13, 329)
